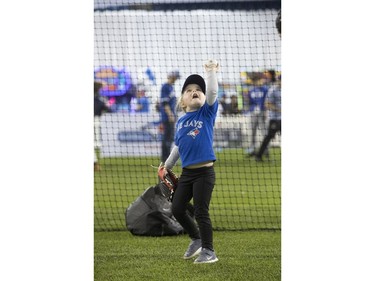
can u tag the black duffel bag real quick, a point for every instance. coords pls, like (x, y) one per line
(151, 215)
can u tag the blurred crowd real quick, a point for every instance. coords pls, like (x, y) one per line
(239, 98)
(234, 98)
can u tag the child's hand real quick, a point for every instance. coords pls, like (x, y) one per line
(211, 65)
(161, 170)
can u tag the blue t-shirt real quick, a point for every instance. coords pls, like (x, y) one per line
(257, 97)
(168, 96)
(194, 135)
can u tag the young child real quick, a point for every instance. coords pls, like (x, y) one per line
(194, 145)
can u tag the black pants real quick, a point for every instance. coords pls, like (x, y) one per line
(197, 184)
(167, 141)
(273, 128)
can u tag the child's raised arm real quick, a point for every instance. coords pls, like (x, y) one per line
(211, 67)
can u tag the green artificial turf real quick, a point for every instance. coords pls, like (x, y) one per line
(243, 255)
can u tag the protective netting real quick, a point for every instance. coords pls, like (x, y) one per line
(138, 45)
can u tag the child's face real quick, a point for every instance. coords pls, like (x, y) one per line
(193, 97)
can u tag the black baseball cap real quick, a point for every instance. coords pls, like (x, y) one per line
(195, 79)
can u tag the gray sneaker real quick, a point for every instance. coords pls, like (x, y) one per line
(206, 256)
(194, 249)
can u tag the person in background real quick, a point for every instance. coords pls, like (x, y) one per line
(224, 105)
(273, 105)
(168, 113)
(257, 97)
(99, 108)
(269, 78)
(233, 109)
(143, 104)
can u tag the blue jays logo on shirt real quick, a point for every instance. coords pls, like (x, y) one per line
(194, 123)
(193, 133)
